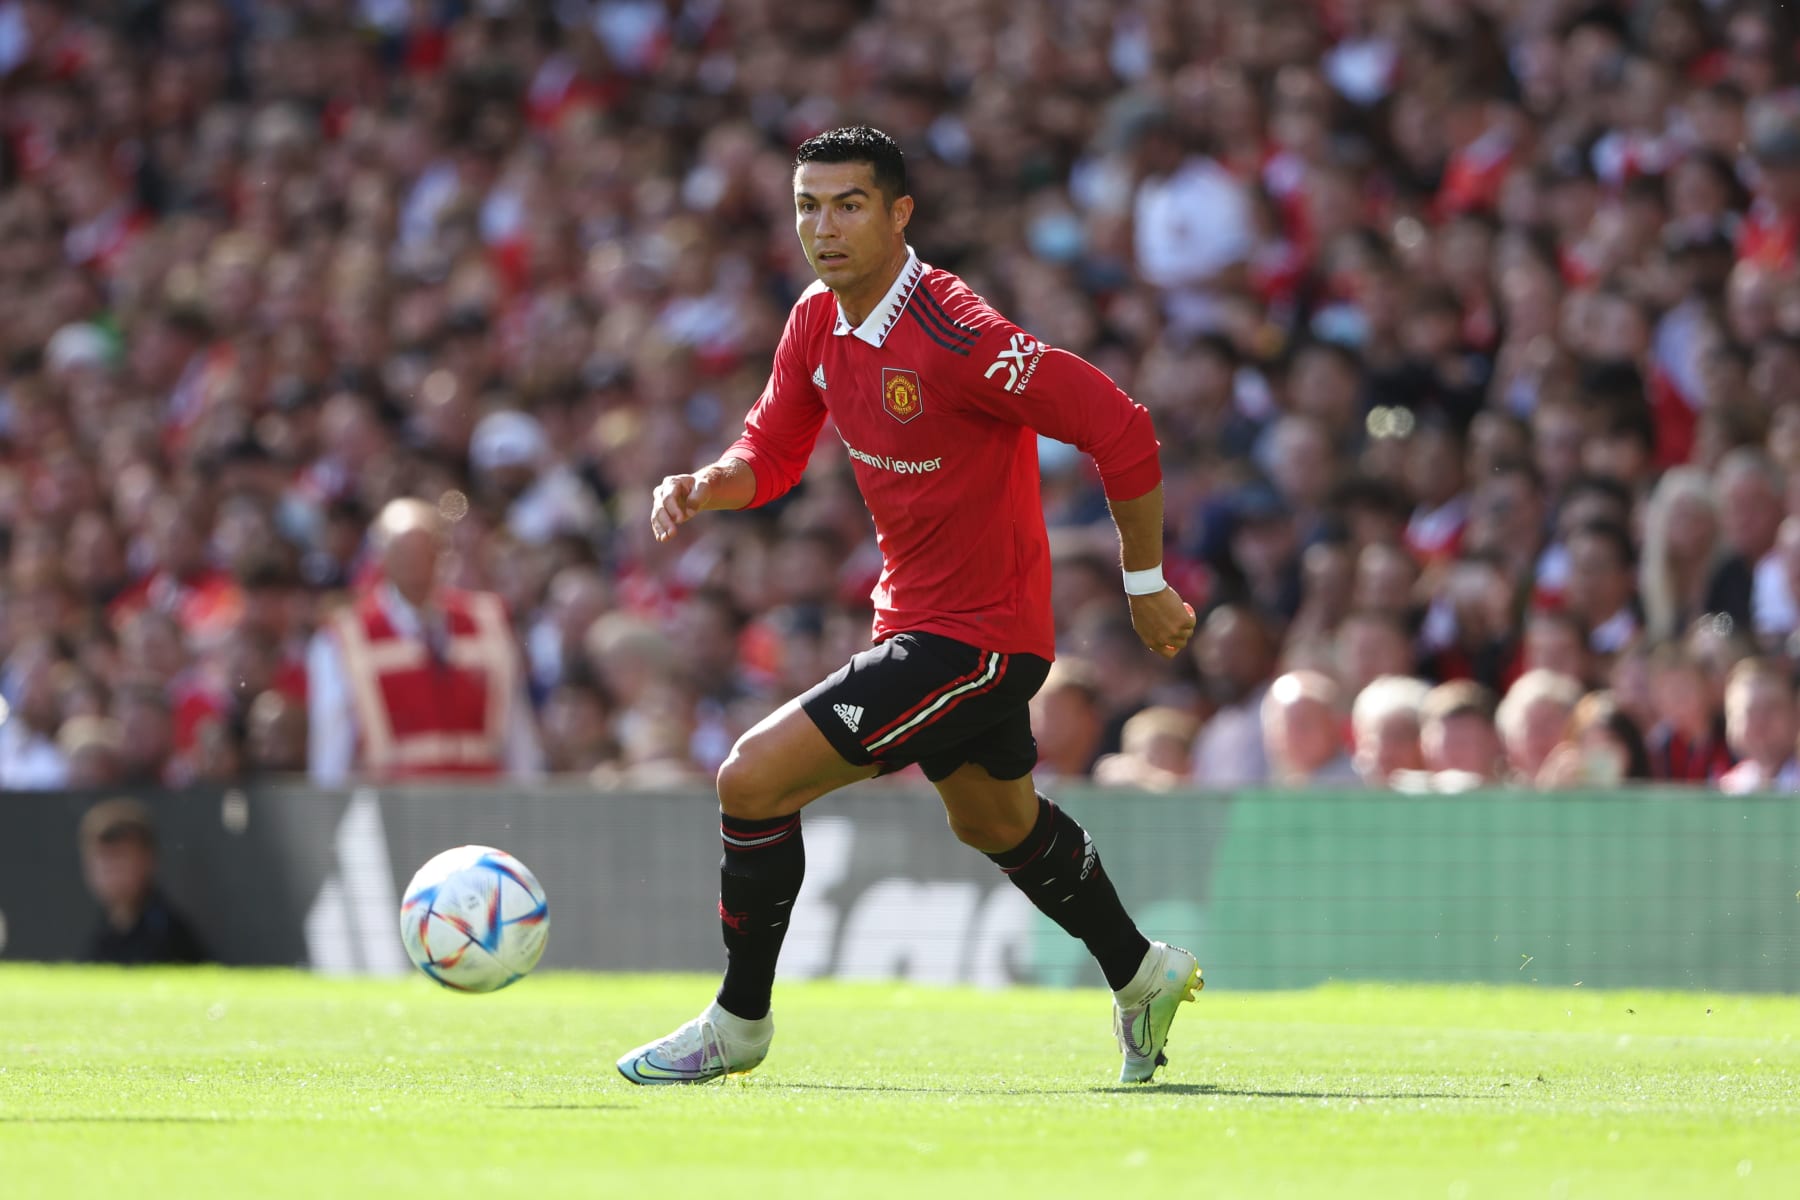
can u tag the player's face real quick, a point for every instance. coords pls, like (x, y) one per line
(847, 227)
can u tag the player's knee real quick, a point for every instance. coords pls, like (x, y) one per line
(990, 833)
(748, 786)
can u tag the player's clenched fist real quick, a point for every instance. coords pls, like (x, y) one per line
(677, 498)
(1163, 620)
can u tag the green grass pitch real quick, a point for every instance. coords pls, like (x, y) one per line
(275, 1084)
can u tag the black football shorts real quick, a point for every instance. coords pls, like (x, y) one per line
(932, 700)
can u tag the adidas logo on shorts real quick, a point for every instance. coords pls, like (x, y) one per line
(850, 714)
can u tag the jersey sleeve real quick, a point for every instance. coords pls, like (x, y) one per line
(1015, 377)
(784, 424)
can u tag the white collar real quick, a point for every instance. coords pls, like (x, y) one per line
(880, 321)
(1611, 634)
(408, 621)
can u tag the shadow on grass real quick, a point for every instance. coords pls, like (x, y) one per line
(1213, 1089)
(1152, 1090)
(115, 1120)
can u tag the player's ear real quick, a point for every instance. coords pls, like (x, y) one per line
(900, 212)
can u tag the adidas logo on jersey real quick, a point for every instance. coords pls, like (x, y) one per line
(819, 377)
(850, 714)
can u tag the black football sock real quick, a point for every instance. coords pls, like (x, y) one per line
(758, 880)
(1059, 871)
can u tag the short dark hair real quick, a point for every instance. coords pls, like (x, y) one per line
(1343, 354)
(1615, 492)
(1615, 535)
(1628, 420)
(1458, 698)
(1369, 492)
(1523, 468)
(859, 144)
(1607, 381)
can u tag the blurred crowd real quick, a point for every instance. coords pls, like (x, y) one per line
(1470, 328)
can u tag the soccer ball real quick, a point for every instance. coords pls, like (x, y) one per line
(474, 919)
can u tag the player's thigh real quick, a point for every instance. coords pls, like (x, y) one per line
(992, 815)
(781, 765)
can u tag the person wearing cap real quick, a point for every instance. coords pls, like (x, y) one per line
(1771, 235)
(138, 925)
(510, 453)
(414, 679)
(80, 346)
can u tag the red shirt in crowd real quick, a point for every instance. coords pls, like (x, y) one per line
(1679, 758)
(938, 398)
(1769, 237)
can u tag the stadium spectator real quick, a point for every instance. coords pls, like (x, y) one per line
(275, 740)
(1687, 742)
(1629, 682)
(417, 679)
(1556, 640)
(1068, 721)
(1456, 299)
(1371, 644)
(1327, 575)
(93, 746)
(1387, 579)
(1777, 616)
(1386, 728)
(1588, 500)
(30, 758)
(1457, 736)
(1750, 489)
(1303, 736)
(1236, 656)
(1601, 748)
(1600, 592)
(1507, 517)
(509, 453)
(574, 599)
(147, 733)
(1687, 568)
(1760, 726)
(1470, 626)
(1434, 478)
(577, 738)
(1190, 261)
(1156, 753)
(1532, 719)
(138, 926)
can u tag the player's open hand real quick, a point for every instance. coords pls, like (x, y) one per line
(1163, 620)
(676, 499)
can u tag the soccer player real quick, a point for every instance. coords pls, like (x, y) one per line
(938, 399)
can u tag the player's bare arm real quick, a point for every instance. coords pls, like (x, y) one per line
(1162, 619)
(726, 484)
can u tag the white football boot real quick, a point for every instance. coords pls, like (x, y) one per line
(1144, 1009)
(714, 1044)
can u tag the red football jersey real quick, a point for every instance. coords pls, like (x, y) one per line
(938, 399)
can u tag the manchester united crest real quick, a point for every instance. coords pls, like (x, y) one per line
(900, 394)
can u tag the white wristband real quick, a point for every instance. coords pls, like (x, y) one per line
(1144, 583)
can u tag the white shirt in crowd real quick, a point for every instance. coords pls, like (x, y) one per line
(1189, 227)
(332, 735)
(29, 761)
(1229, 751)
(1772, 608)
